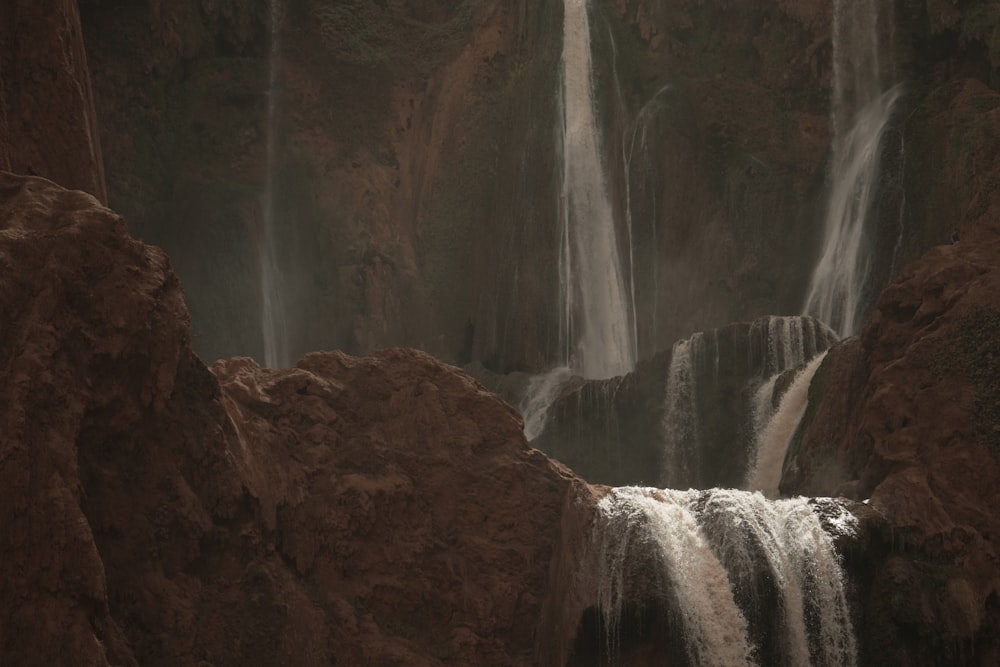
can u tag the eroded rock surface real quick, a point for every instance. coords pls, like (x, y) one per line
(377, 510)
(47, 122)
(908, 416)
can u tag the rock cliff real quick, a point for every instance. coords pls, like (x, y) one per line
(47, 122)
(907, 415)
(417, 162)
(158, 511)
(380, 510)
(683, 419)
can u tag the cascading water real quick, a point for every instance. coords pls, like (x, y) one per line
(637, 155)
(681, 415)
(721, 374)
(860, 114)
(774, 439)
(633, 519)
(542, 391)
(786, 536)
(273, 317)
(789, 343)
(762, 406)
(596, 326)
(727, 564)
(597, 318)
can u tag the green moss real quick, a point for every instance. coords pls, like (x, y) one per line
(980, 342)
(982, 23)
(354, 31)
(384, 32)
(397, 628)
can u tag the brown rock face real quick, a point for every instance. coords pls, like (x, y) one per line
(382, 510)
(47, 122)
(908, 415)
(685, 422)
(417, 162)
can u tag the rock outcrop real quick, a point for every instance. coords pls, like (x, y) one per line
(377, 510)
(47, 122)
(686, 417)
(391, 124)
(386, 509)
(417, 161)
(908, 415)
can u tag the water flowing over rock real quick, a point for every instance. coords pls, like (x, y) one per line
(405, 155)
(274, 318)
(684, 418)
(703, 573)
(773, 440)
(597, 320)
(841, 289)
(419, 173)
(906, 416)
(540, 394)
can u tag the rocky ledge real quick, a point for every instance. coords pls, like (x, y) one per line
(387, 509)
(379, 510)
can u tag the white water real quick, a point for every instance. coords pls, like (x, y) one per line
(681, 419)
(274, 325)
(860, 114)
(762, 406)
(637, 142)
(630, 244)
(708, 544)
(785, 343)
(632, 518)
(542, 391)
(596, 327)
(745, 528)
(775, 438)
(775, 344)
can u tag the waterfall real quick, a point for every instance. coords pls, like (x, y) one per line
(774, 439)
(681, 419)
(541, 392)
(595, 323)
(789, 342)
(273, 318)
(778, 344)
(762, 406)
(633, 519)
(860, 114)
(729, 565)
(718, 392)
(785, 536)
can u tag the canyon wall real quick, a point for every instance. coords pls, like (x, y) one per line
(47, 122)
(416, 168)
(377, 510)
(396, 126)
(907, 414)
(159, 512)
(417, 164)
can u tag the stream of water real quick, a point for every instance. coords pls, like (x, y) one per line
(596, 323)
(273, 315)
(860, 114)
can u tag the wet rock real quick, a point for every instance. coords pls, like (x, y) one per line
(48, 125)
(381, 509)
